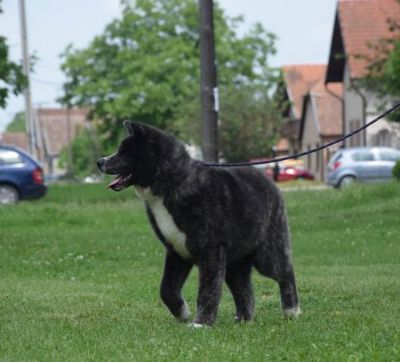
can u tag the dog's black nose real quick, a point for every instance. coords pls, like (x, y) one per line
(100, 163)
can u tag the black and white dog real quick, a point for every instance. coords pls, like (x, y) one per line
(224, 220)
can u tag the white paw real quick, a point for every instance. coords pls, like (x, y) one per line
(196, 325)
(292, 312)
(185, 313)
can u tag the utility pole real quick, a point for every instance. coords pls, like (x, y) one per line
(69, 140)
(30, 126)
(209, 90)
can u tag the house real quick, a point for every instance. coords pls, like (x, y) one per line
(314, 115)
(321, 122)
(17, 139)
(297, 82)
(358, 25)
(55, 130)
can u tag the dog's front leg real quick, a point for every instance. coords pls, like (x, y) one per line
(212, 268)
(176, 270)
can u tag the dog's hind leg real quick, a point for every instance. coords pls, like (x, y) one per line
(176, 270)
(212, 268)
(238, 279)
(274, 260)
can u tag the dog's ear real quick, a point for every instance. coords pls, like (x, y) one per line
(134, 128)
(129, 126)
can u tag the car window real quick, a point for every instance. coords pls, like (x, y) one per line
(10, 157)
(336, 157)
(363, 156)
(389, 155)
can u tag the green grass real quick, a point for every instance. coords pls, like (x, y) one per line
(80, 272)
(300, 184)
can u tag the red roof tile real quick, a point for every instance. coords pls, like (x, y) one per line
(364, 22)
(18, 139)
(54, 127)
(328, 108)
(299, 79)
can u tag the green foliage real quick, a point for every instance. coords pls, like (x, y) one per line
(248, 124)
(145, 66)
(11, 76)
(396, 171)
(383, 71)
(18, 123)
(84, 152)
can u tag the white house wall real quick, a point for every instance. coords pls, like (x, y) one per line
(382, 133)
(383, 126)
(353, 109)
(311, 139)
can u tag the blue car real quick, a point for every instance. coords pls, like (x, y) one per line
(21, 176)
(362, 164)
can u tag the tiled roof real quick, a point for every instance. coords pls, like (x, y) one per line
(53, 125)
(328, 108)
(299, 79)
(364, 22)
(18, 139)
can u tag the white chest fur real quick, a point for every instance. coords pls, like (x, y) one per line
(165, 222)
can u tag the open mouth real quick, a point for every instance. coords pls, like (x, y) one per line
(120, 182)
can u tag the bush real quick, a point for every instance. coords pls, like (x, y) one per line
(396, 171)
(84, 153)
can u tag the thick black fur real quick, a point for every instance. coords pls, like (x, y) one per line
(232, 219)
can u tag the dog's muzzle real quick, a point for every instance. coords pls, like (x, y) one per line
(100, 164)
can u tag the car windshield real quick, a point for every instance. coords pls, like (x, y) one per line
(9, 157)
(389, 155)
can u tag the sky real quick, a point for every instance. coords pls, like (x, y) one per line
(304, 30)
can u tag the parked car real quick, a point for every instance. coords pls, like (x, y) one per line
(290, 173)
(363, 164)
(288, 170)
(21, 176)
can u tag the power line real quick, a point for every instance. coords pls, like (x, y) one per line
(297, 155)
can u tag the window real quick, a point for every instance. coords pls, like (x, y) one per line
(363, 156)
(383, 138)
(9, 157)
(336, 157)
(389, 155)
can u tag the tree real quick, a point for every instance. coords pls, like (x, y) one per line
(17, 124)
(145, 66)
(383, 71)
(249, 124)
(11, 76)
(84, 154)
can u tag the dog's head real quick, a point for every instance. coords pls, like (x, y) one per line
(138, 158)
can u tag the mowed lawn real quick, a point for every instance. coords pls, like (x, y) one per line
(80, 273)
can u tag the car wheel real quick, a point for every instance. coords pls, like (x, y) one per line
(346, 181)
(8, 195)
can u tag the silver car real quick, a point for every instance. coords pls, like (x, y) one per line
(364, 164)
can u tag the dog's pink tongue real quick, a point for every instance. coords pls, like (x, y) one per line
(114, 182)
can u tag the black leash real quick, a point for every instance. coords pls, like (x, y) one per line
(297, 155)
